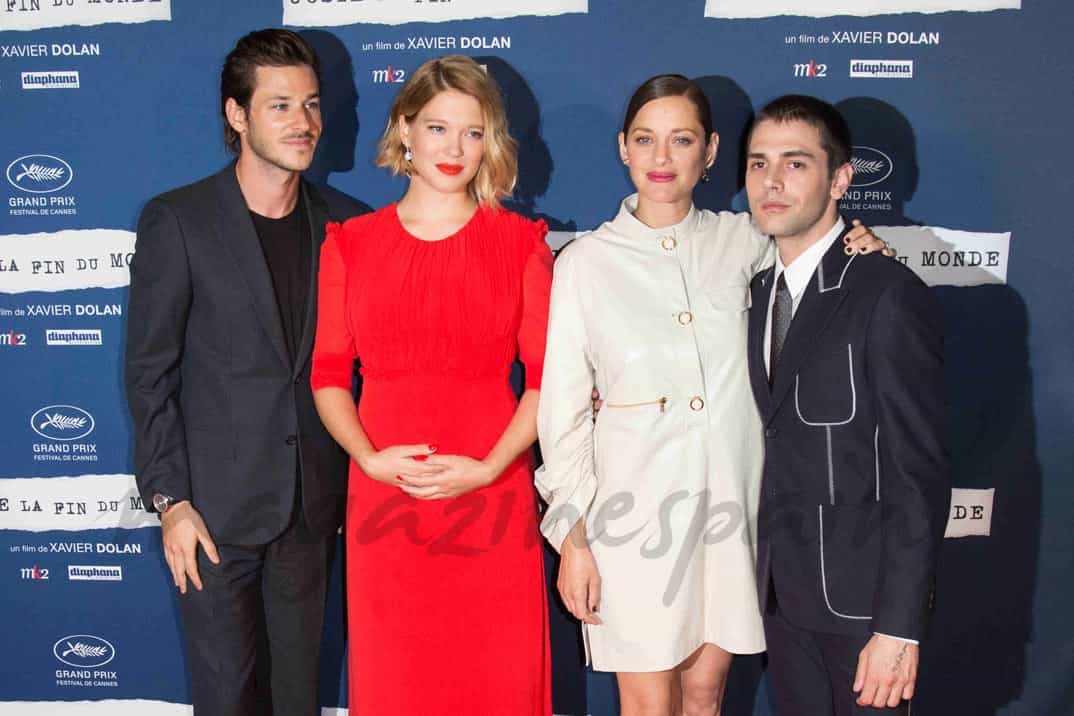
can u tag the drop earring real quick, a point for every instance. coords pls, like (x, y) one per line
(408, 155)
(705, 176)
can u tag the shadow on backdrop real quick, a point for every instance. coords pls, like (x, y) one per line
(732, 113)
(339, 113)
(974, 661)
(883, 142)
(534, 157)
(339, 107)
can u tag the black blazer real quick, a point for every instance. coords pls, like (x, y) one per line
(856, 490)
(222, 416)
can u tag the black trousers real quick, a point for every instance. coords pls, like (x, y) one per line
(811, 673)
(260, 604)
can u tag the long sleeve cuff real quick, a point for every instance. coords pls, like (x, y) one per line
(568, 501)
(897, 638)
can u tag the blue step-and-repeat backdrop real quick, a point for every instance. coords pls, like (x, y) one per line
(961, 116)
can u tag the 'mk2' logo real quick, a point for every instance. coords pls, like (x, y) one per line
(389, 75)
(12, 338)
(811, 69)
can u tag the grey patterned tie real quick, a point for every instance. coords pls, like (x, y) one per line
(782, 312)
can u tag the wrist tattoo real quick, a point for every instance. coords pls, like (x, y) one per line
(899, 657)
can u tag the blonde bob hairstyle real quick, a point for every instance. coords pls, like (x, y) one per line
(498, 172)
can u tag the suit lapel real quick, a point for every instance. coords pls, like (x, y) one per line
(823, 295)
(317, 215)
(237, 230)
(761, 291)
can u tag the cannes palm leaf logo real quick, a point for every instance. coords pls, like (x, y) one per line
(40, 174)
(85, 651)
(62, 422)
(867, 166)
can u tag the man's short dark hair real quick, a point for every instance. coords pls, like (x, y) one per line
(833, 129)
(262, 48)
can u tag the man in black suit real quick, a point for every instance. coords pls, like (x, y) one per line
(846, 363)
(228, 446)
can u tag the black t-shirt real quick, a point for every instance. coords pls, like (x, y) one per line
(285, 243)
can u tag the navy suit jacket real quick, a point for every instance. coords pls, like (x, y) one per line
(855, 492)
(222, 415)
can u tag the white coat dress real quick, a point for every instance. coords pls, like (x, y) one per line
(668, 476)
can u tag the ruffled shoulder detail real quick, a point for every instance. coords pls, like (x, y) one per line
(528, 233)
(539, 227)
(347, 234)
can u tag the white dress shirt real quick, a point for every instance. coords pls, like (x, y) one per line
(797, 278)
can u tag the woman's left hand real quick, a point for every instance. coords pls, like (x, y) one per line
(862, 240)
(461, 475)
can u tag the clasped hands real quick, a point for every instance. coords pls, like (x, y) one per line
(423, 474)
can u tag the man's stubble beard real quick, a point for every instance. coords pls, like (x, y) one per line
(797, 226)
(266, 152)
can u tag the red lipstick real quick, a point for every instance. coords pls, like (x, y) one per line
(449, 169)
(660, 177)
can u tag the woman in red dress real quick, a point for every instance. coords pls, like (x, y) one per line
(435, 296)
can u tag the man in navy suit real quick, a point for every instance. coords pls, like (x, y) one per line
(228, 446)
(846, 364)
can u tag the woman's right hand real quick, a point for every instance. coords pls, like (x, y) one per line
(579, 579)
(394, 464)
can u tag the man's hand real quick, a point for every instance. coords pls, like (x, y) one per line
(183, 530)
(887, 670)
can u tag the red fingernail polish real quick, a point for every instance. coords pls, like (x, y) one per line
(432, 448)
(421, 458)
(399, 478)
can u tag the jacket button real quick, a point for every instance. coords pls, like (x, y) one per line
(696, 403)
(668, 243)
(291, 439)
(771, 432)
(685, 318)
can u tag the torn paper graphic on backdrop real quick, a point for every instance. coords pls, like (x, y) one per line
(948, 257)
(72, 504)
(65, 260)
(398, 12)
(40, 14)
(828, 8)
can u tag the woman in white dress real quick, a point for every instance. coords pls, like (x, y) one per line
(653, 503)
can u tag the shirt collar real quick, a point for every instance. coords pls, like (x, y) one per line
(803, 267)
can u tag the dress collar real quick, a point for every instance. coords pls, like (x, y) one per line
(663, 239)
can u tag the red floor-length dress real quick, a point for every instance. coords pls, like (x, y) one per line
(446, 600)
